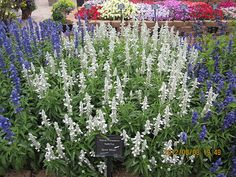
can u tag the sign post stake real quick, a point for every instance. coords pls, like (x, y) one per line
(121, 7)
(109, 166)
(111, 146)
(155, 7)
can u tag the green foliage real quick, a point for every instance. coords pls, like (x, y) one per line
(27, 5)
(7, 8)
(131, 117)
(61, 9)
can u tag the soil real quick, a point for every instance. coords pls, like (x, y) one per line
(42, 173)
(123, 173)
(19, 174)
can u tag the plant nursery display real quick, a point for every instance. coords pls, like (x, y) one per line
(171, 102)
(159, 10)
(60, 9)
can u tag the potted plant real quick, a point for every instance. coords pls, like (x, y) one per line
(27, 7)
(60, 9)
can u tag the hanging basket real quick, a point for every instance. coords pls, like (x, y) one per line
(26, 13)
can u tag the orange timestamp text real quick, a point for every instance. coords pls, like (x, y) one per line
(195, 151)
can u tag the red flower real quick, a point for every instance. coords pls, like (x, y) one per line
(202, 10)
(226, 4)
(91, 14)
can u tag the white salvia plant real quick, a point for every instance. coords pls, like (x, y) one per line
(60, 148)
(119, 91)
(26, 74)
(93, 67)
(167, 114)
(144, 145)
(90, 124)
(67, 103)
(173, 81)
(102, 168)
(88, 106)
(107, 88)
(49, 155)
(211, 96)
(168, 158)
(194, 86)
(153, 161)
(125, 137)
(112, 40)
(84, 60)
(147, 127)
(164, 93)
(64, 75)
(34, 142)
(84, 159)
(143, 65)
(145, 103)
(101, 122)
(137, 142)
(127, 54)
(155, 35)
(40, 83)
(97, 122)
(144, 34)
(58, 130)
(81, 108)
(149, 63)
(157, 124)
(74, 129)
(45, 120)
(82, 84)
(51, 63)
(125, 79)
(184, 105)
(113, 114)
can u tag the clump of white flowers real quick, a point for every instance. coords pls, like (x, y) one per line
(45, 120)
(84, 159)
(119, 91)
(147, 128)
(145, 103)
(157, 124)
(125, 137)
(97, 122)
(57, 128)
(210, 98)
(40, 83)
(110, 9)
(74, 129)
(102, 167)
(34, 142)
(49, 155)
(67, 103)
(139, 144)
(113, 114)
(60, 148)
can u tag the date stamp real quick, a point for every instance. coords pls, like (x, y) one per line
(195, 151)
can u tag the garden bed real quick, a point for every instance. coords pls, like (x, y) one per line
(184, 27)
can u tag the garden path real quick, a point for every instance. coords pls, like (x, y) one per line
(43, 10)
